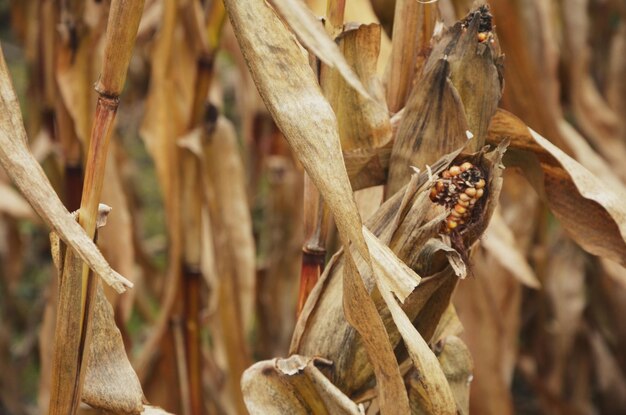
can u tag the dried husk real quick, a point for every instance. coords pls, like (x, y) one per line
(294, 99)
(406, 221)
(433, 124)
(475, 69)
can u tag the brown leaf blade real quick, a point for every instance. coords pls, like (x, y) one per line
(592, 213)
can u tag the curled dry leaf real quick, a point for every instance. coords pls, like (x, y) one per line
(592, 213)
(27, 174)
(295, 385)
(294, 99)
(362, 122)
(312, 35)
(107, 358)
(110, 381)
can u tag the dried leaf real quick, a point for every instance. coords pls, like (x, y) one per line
(24, 170)
(363, 123)
(412, 31)
(14, 205)
(227, 175)
(592, 213)
(107, 356)
(294, 99)
(393, 274)
(500, 243)
(154, 410)
(110, 381)
(457, 364)
(295, 386)
(116, 239)
(312, 35)
(432, 385)
(488, 305)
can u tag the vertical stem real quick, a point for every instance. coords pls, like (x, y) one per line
(192, 214)
(334, 16)
(316, 218)
(181, 363)
(191, 217)
(76, 287)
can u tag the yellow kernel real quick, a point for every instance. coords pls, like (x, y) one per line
(464, 203)
(482, 36)
(454, 171)
(470, 191)
(480, 184)
(466, 166)
(433, 194)
(455, 214)
(452, 224)
(479, 193)
(460, 209)
(464, 197)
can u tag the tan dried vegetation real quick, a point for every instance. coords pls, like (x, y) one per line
(402, 207)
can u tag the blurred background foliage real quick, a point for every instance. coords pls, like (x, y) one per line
(544, 322)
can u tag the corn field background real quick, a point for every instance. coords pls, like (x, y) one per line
(312, 207)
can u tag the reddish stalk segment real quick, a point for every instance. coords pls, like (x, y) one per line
(316, 218)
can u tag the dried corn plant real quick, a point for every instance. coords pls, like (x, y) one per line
(312, 207)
